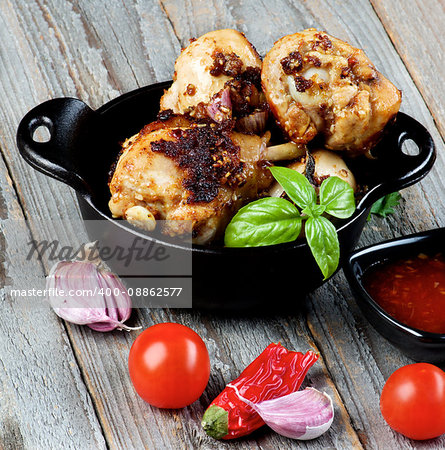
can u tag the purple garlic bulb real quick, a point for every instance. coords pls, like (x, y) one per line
(82, 293)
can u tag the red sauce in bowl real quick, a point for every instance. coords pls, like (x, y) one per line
(411, 290)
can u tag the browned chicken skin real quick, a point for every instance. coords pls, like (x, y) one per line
(315, 83)
(217, 75)
(182, 171)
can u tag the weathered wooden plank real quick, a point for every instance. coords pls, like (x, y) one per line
(134, 422)
(415, 31)
(369, 423)
(33, 412)
(43, 398)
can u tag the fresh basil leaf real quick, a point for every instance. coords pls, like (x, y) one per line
(385, 206)
(314, 210)
(296, 185)
(267, 221)
(338, 197)
(323, 241)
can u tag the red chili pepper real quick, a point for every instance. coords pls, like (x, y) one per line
(276, 372)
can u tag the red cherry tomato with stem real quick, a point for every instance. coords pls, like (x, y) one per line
(169, 365)
(413, 401)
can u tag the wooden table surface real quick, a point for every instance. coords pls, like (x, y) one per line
(64, 386)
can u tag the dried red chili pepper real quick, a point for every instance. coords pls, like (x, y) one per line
(276, 372)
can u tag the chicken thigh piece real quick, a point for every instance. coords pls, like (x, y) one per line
(315, 83)
(177, 171)
(217, 75)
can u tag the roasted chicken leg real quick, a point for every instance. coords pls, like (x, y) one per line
(315, 83)
(182, 171)
(217, 75)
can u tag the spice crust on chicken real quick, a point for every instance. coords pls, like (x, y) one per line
(198, 172)
(217, 62)
(317, 84)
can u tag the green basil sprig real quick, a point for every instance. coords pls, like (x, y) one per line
(271, 220)
(385, 205)
(266, 221)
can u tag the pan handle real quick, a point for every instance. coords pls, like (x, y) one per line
(72, 127)
(399, 170)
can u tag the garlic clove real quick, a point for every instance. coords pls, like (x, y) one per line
(302, 415)
(141, 217)
(122, 302)
(118, 306)
(65, 280)
(220, 106)
(81, 293)
(254, 123)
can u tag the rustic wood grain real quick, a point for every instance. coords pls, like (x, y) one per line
(416, 32)
(96, 50)
(43, 398)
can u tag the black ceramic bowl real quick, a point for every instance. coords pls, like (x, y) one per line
(417, 344)
(84, 144)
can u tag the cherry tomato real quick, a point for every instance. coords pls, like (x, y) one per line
(413, 401)
(169, 365)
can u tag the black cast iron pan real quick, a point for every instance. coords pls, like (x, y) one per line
(84, 144)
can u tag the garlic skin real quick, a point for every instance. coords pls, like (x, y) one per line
(302, 415)
(220, 106)
(254, 123)
(81, 293)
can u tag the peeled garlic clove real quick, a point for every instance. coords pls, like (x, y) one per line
(141, 217)
(286, 151)
(81, 293)
(302, 415)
